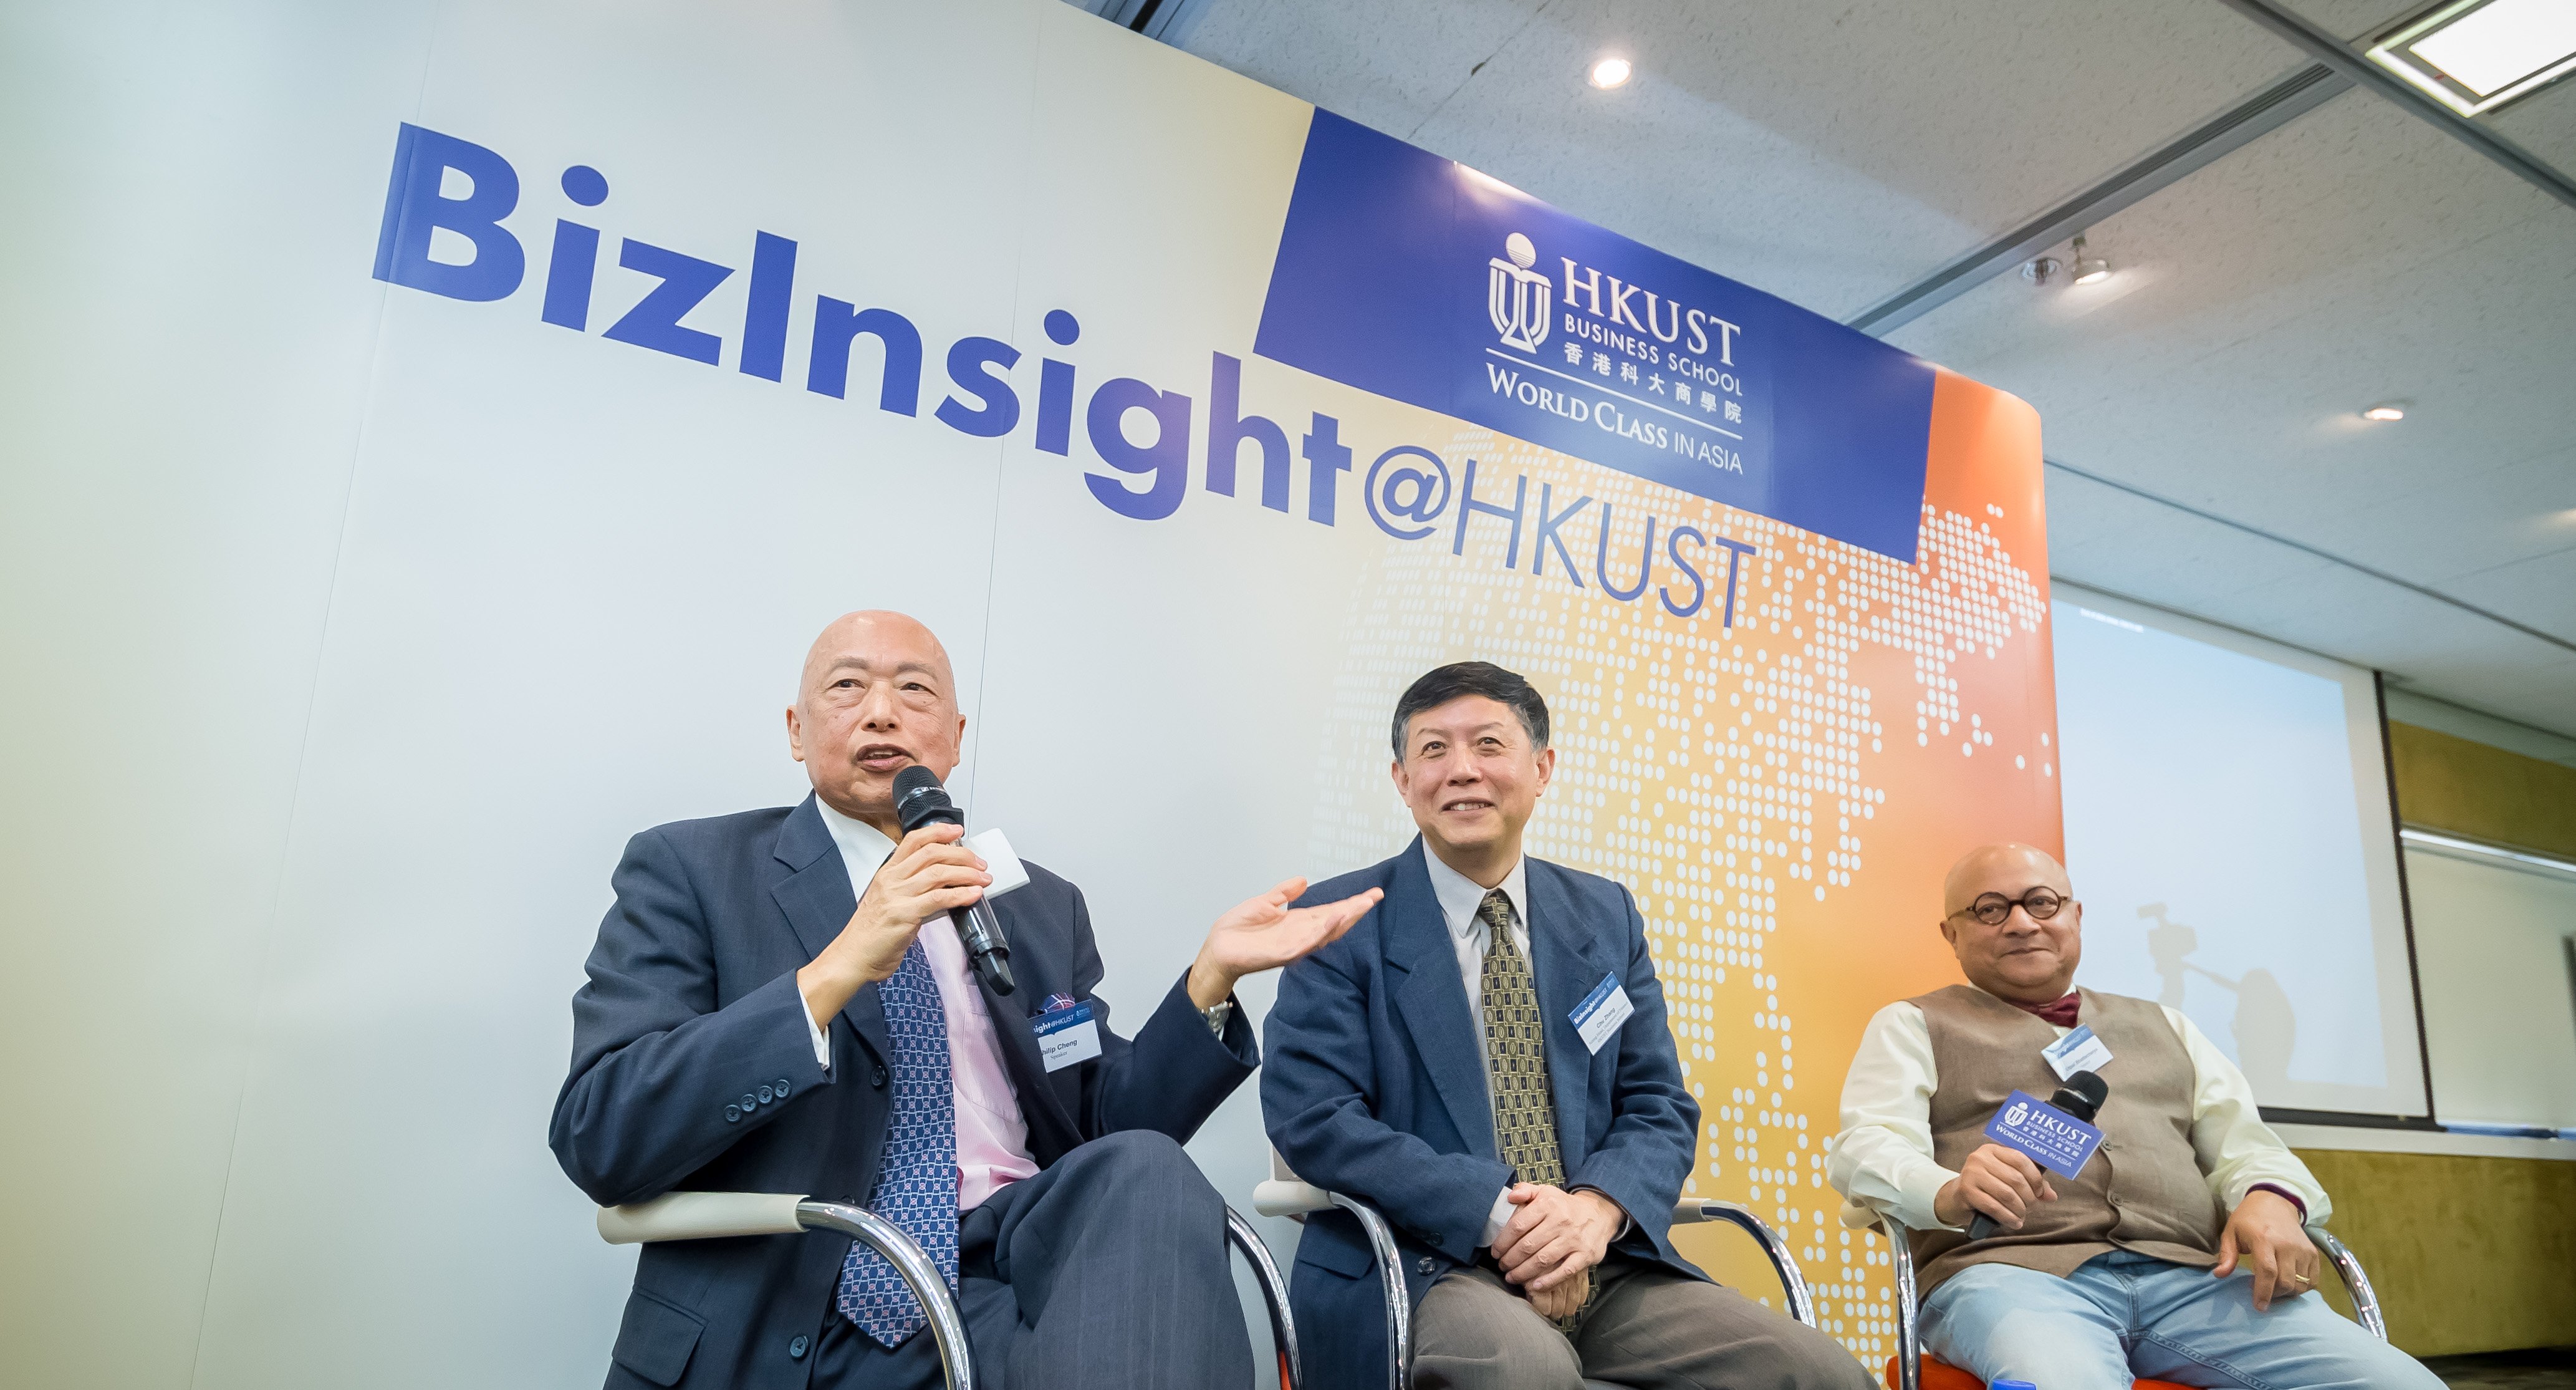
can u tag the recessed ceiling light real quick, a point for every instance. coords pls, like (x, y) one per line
(1611, 72)
(2475, 55)
(2386, 410)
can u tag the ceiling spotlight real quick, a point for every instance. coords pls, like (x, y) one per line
(1611, 72)
(2475, 55)
(2386, 410)
(2041, 270)
(2089, 270)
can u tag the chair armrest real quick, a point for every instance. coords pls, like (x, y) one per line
(1278, 1197)
(1287, 1197)
(1909, 1335)
(1692, 1210)
(1274, 1297)
(701, 1216)
(2356, 1281)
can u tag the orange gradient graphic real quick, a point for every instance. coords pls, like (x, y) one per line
(1782, 794)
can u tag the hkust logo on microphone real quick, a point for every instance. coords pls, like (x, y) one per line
(2051, 1138)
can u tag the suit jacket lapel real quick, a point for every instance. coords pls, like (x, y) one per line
(1566, 967)
(816, 897)
(1433, 1000)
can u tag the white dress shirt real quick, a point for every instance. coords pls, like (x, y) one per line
(1470, 937)
(1883, 1157)
(992, 1134)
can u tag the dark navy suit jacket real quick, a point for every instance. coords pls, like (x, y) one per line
(1375, 1088)
(692, 1069)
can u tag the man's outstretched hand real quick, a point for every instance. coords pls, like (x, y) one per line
(1264, 933)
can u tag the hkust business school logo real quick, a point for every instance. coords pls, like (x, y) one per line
(1518, 298)
(1649, 378)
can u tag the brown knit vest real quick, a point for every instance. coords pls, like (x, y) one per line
(2143, 1191)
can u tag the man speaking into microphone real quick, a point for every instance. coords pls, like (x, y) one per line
(2177, 1252)
(781, 1001)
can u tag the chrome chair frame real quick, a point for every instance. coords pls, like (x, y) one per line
(1293, 1198)
(710, 1215)
(1909, 1345)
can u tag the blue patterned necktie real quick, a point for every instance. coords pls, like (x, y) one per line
(917, 1178)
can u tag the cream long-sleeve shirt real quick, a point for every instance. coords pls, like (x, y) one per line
(1883, 1157)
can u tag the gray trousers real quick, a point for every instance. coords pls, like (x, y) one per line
(1105, 1272)
(1648, 1328)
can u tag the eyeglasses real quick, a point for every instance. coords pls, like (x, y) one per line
(1993, 908)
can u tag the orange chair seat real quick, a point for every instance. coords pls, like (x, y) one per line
(1940, 1375)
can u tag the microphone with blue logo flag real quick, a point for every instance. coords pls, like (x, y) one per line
(2057, 1134)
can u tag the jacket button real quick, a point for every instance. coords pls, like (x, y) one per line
(877, 1077)
(796, 1350)
(780, 1086)
(767, 1095)
(733, 1114)
(748, 1101)
(1423, 1265)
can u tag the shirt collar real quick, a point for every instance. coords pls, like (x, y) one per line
(863, 846)
(1460, 895)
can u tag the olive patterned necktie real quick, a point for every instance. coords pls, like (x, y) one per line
(1516, 1063)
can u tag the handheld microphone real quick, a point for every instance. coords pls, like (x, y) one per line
(919, 800)
(2081, 1097)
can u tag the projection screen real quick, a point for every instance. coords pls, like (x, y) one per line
(2229, 830)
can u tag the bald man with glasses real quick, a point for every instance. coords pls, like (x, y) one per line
(2178, 1253)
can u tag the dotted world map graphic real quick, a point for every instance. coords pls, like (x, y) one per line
(1758, 787)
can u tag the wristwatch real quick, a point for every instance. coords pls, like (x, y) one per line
(1216, 1014)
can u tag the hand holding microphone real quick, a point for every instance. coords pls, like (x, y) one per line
(920, 803)
(932, 871)
(2000, 1182)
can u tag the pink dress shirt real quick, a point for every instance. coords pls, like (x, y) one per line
(992, 1136)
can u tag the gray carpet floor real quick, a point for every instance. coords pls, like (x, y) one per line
(2546, 1369)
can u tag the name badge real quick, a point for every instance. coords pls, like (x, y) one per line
(2053, 1139)
(2077, 1051)
(1601, 1013)
(1066, 1035)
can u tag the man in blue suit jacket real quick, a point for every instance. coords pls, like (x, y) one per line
(778, 1003)
(1484, 1059)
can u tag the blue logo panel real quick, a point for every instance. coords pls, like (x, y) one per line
(1417, 278)
(2051, 1138)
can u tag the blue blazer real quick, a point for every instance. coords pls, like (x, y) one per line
(692, 1069)
(1375, 1088)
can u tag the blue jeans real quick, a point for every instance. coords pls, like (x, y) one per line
(2123, 1317)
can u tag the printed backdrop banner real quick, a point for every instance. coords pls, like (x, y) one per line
(452, 422)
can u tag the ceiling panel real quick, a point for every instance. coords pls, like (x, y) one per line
(1828, 154)
(2540, 591)
(2543, 123)
(2111, 540)
(2357, 255)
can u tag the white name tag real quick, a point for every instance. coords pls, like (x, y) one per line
(1008, 873)
(2077, 1051)
(1066, 1035)
(1601, 1012)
